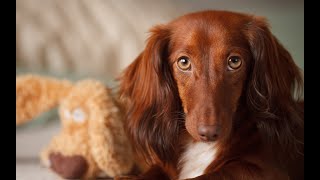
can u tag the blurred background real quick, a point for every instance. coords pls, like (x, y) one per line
(99, 38)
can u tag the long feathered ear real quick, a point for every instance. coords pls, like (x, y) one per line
(274, 81)
(148, 88)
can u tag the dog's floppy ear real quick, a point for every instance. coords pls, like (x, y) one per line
(149, 71)
(37, 94)
(272, 84)
(108, 143)
(148, 88)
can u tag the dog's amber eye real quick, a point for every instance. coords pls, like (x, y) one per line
(234, 62)
(184, 63)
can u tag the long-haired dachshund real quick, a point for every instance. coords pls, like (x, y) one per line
(214, 95)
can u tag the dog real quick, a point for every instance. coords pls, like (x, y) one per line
(215, 95)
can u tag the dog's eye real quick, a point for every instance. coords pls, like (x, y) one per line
(234, 62)
(184, 63)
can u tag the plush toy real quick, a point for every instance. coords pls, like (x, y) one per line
(92, 142)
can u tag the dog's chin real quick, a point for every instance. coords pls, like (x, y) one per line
(197, 139)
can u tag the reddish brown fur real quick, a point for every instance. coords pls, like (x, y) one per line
(262, 124)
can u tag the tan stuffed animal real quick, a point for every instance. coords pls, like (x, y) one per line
(92, 140)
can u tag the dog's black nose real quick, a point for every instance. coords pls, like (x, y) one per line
(209, 132)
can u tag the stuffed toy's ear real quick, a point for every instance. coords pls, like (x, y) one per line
(109, 146)
(37, 94)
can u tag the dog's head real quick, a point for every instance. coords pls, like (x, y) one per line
(201, 72)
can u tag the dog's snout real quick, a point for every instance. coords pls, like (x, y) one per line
(208, 132)
(69, 167)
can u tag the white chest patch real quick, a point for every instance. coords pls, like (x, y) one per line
(195, 159)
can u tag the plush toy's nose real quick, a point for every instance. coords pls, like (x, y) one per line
(69, 167)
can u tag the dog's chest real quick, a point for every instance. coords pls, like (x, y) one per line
(196, 159)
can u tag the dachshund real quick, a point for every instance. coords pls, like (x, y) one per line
(215, 95)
